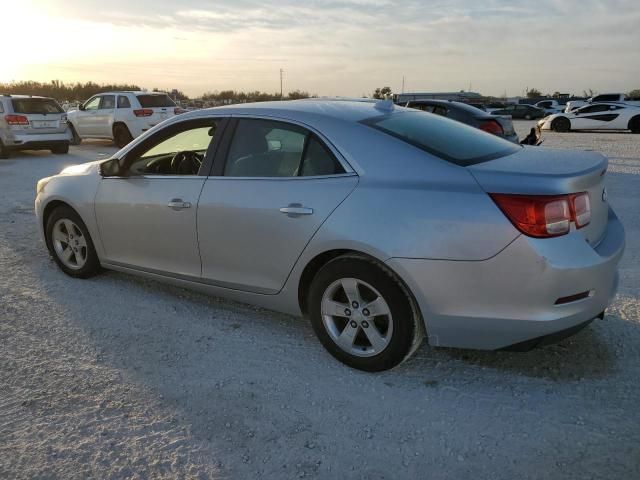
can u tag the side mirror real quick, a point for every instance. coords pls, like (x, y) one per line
(112, 168)
(81, 107)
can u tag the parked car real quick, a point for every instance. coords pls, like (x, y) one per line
(32, 123)
(501, 126)
(521, 111)
(550, 106)
(120, 116)
(597, 116)
(381, 224)
(614, 97)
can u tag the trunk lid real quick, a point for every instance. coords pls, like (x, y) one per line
(546, 171)
(161, 105)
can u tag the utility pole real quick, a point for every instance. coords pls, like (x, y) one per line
(402, 83)
(281, 96)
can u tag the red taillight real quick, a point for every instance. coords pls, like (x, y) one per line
(178, 110)
(491, 126)
(143, 112)
(16, 120)
(545, 216)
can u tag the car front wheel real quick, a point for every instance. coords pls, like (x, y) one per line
(70, 243)
(362, 314)
(561, 124)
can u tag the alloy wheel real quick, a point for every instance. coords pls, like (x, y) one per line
(356, 317)
(69, 244)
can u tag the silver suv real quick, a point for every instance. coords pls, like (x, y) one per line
(32, 123)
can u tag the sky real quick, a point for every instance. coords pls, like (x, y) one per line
(332, 47)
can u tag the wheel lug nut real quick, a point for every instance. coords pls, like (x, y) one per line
(365, 312)
(354, 304)
(347, 312)
(365, 324)
(353, 324)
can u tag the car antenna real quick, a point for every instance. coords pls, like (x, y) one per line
(385, 104)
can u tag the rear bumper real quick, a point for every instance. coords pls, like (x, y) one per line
(511, 298)
(34, 141)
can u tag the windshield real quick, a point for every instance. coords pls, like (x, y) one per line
(36, 105)
(447, 139)
(152, 101)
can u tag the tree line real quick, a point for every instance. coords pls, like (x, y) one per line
(79, 92)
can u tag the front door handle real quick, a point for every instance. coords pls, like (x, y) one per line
(178, 204)
(295, 210)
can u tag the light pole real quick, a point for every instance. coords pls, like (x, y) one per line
(281, 72)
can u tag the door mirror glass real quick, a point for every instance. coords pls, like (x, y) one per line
(111, 168)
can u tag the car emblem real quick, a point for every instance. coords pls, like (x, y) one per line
(604, 194)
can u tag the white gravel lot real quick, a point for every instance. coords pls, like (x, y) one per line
(117, 377)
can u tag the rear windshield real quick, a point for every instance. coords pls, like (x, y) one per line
(153, 101)
(450, 140)
(36, 105)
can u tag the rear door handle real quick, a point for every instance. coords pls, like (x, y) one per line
(295, 210)
(178, 204)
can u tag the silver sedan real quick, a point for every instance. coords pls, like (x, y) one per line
(381, 224)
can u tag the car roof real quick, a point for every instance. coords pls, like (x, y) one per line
(25, 96)
(135, 92)
(348, 110)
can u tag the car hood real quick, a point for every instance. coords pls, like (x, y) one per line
(82, 168)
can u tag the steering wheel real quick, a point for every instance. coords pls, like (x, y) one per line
(186, 163)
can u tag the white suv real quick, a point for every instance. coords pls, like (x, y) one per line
(120, 116)
(32, 123)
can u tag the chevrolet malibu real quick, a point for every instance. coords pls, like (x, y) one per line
(381, 224)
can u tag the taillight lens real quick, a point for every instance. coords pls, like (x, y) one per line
(143, 112)
(491, 126)
(16, 120)
(581, 209)
(544, 216)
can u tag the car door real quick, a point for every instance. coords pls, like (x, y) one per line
(147, 215)
(273, 185)
(595, 117)
(86, 118)
(104, 116)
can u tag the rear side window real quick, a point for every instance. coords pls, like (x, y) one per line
(123, 102)
(36, 105)
(155, 101)
(266, 148)
(447, 139)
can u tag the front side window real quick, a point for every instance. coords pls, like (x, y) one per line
(267, 148)
(108, 102)
(593, 109)
(180, 153)
(447, 139)
(92, 104)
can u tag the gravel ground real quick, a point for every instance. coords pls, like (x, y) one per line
(117, 377)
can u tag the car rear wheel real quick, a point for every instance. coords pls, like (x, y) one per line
(121, 135)
(561, 124)
(634, 125)
(75, 140)
(70, 243)
(362, 314)
(60, 149)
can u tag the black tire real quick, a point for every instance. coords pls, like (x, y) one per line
(60, 149)
(76, 140)
(634, 124)
(408, 329)
(92, 265)
(4, 152)
(561, 124)
(121, 135)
